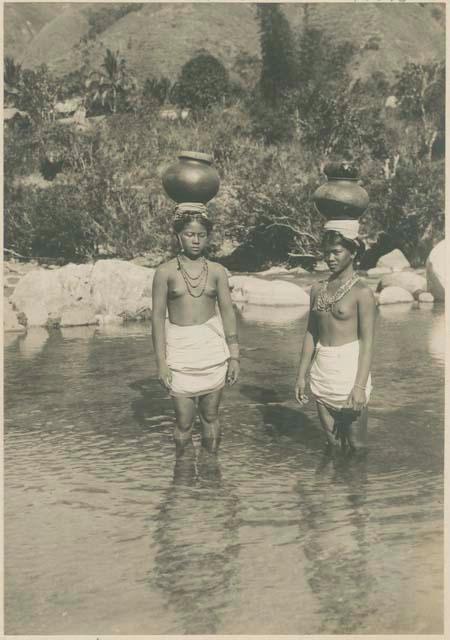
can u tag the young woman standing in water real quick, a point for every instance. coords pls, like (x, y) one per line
(340, 335)
(197, 351)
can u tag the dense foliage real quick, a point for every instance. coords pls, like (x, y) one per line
(79, 190)
(203, 82)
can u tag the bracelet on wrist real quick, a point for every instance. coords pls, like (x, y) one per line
(359, 386)
(235, 358)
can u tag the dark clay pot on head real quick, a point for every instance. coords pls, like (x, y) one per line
(341, 197)
(192, 178)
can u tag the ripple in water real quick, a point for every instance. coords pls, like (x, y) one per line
(105, 534)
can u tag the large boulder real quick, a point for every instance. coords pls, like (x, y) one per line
(393, 295)
(121, 288)
(267, 292)
(435, 271)
(38, 294)
(395, 260)
(425, 296)
(376, 272)
(409, 280)
(79, 294)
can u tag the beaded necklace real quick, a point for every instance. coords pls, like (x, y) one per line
(194, 282)
(325, 302)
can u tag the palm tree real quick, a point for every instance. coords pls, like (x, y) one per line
(110, 85)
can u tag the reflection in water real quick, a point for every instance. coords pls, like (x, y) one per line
(78, 333)
(196, 536)
(272, 542)
(395, 310)
(436, 338)
(33, 342)
(266, 315)
(9, 338)
(335, 518)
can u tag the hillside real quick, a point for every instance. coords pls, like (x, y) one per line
(158, 38)
(23, 22)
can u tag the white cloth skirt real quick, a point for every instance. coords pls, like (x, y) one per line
(333, 374)
(197, 356)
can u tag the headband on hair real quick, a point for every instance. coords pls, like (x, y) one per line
(347, 228)
(184, 208)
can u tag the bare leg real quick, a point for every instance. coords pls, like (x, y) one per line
(328, 423)
(208, 410)
(356, 431)
(185, 411)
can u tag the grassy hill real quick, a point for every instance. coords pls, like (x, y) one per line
(158, 38)
(23, 22)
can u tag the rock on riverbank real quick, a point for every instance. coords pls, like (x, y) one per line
(435, 270)
(84, 294)
(114, 291)
(257, 291)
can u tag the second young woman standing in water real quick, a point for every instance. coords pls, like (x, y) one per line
(197, 351)
(339, 336)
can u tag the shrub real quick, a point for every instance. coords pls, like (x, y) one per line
(410, 208)
(203, 82)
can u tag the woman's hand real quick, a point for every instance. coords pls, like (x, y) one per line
(300, 391)
(233, 371)
(356, 400)
(165, 376)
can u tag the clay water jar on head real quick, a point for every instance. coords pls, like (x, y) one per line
(341, 197)
(192, 178)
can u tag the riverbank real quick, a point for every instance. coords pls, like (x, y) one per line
(114, 291)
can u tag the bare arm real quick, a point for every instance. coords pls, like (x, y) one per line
(159, 308)
(366, 331)
(229, 323)
(309, 340)
(227, 312)
(366, 310)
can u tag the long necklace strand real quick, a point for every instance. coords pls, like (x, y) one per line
(190, 280)
(191, 277)
(325, 302)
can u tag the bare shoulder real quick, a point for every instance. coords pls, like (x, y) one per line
(217, 269)
(364, 292)
(166, 268)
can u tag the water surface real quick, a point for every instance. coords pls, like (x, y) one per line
(105, 535)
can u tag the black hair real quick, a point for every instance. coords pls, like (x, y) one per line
(355, 246)
(180, 223)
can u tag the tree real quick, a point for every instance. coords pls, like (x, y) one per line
(37, 93)
(420, 91)
(203, 82)
(322, 70)
(279, 71)
(410, 207)
(11, 72)
(157, 89)
(73, 84)
(112, 86)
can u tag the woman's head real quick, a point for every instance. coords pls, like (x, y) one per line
(192, 229)
(339, 251)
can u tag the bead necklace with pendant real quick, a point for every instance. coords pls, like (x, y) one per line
(325, 301)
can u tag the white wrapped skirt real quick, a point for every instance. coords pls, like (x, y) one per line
(197, 356)
(333, 374)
